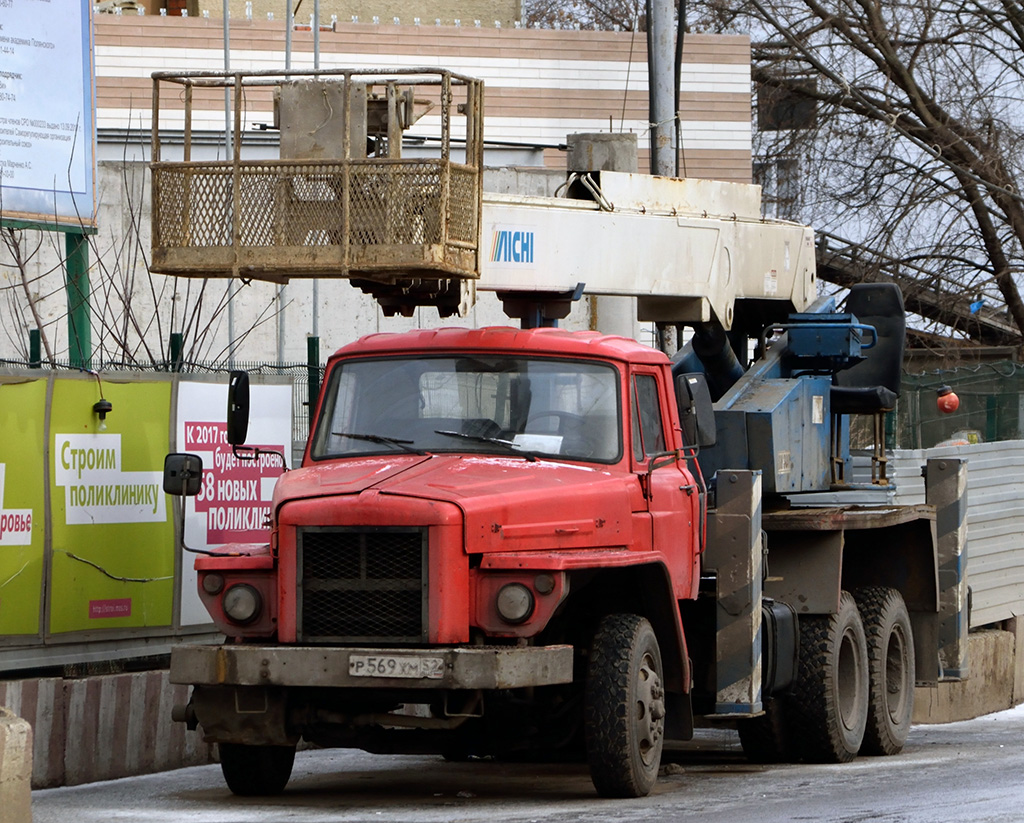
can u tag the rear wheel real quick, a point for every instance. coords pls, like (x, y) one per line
(256, 770)
(624, 707)
(890, 668)
(829, 705)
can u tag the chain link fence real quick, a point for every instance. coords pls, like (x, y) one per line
(991, 407)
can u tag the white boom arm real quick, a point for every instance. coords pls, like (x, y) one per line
(417, 231)
(686, 249)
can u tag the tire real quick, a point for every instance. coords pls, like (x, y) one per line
(624, 707)
(767, 739)
(829, 704)
(253, 771)
(891, 669)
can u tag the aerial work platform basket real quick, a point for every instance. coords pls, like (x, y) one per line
(337, 198)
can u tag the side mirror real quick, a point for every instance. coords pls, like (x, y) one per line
(696, 411)
(183, 474)
(238, 407)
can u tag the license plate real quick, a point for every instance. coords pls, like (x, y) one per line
(393, 665)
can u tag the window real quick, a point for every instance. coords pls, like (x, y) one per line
(496, 404)
(648, 433)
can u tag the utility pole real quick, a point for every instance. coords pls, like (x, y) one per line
(661, 86)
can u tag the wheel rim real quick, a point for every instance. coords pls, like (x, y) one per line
(896, 690)
(849, 682)
(650, 710)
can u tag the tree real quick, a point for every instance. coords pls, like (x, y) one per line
(132, 310)
(915, 144)
(896, 124)
(627, 15)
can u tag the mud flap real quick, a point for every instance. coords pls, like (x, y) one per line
(678, 716)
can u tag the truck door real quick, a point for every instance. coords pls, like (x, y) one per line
(671, 491)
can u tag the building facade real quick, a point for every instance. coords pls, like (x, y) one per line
(541, 85)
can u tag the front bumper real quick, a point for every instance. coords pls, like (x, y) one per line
(451, 667)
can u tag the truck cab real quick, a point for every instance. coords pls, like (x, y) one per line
(485, 524)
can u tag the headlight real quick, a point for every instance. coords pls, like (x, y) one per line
(514, 603)
(213, 583)
(242, 603)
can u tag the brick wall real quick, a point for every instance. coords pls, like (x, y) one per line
(486, 11)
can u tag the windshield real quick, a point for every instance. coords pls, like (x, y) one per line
(487, 404)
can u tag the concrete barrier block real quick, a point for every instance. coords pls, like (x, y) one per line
(15, 768)
(1016, 626)
(103, 727)
(41, 703)
(119, 725)
(988, 687)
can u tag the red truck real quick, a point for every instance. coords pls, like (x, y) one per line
(500, 543)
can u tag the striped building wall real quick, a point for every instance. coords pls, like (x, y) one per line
(540, 84)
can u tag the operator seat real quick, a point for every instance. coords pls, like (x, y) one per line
(872, 385)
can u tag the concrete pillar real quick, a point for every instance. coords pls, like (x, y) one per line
(661, 79)
(988, 689)
(601, 151)
(15, 768)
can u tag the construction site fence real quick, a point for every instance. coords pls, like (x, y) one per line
(991, 399)
(991, 408)
(304, 377)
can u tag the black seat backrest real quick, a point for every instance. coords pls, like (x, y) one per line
(879, 305)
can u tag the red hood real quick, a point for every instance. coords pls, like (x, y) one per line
(509, 503)
(350, 476)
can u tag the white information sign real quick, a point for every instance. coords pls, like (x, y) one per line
(96, 490)
(233, 505)
(47, 126)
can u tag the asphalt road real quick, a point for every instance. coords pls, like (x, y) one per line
(970, 771)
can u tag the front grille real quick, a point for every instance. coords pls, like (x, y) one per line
(362, 584)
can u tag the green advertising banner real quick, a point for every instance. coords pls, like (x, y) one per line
(112, 536)
(22, 518)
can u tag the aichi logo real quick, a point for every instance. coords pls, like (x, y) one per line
(512, 246)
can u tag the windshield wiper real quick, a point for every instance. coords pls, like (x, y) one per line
(377, 438)
(508, 445)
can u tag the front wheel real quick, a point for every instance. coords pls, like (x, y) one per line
(624, 707)
(253, 771)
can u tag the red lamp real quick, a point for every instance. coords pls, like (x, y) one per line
(947, 400)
